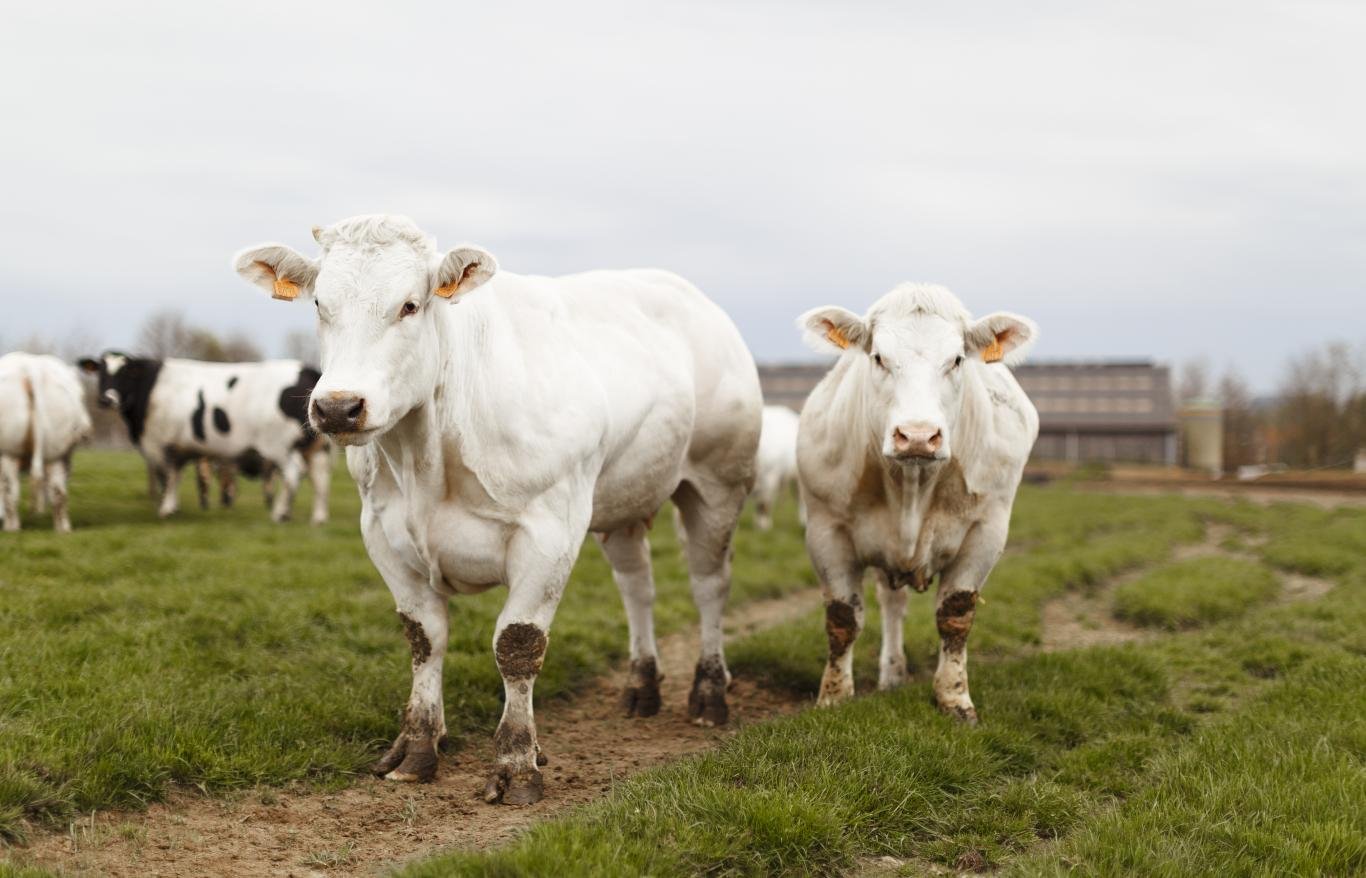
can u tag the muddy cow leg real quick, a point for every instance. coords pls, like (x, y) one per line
(841, 576)
(628, 551)
(710, 513)
(203, 479)
(538, 563)
(227, 484)
(892, 662)
(9, 490)
(955, 607)
(423, 613)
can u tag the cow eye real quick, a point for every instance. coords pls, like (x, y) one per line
(409, 308)
(877, 358)
(957, 361)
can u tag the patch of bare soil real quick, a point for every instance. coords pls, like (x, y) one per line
(1077, 620)
(375, 824)
(1262, 495)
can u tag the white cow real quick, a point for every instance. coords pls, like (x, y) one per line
(494, 420)
(42, 419)
(179, 411)
(776, 464)
(910, 453)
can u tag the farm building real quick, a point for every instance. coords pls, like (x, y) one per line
(1102, 410)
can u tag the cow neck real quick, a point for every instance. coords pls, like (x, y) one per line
(133, 406)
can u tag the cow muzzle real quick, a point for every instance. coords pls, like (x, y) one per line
(338, 413)
(109, 399)
(917, 443)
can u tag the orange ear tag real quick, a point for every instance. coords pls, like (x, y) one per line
(993, 353)
(447, 290)
(286, 289)
(836, 336)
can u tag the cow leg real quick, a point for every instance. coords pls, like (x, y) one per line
(424, 614)
(227, 485)
(203, 477)
(56, 488)
(628, 551)
(765, 496)
(268, 486)
(9, 490)
(538, 564)
(290, 474)
(155, 482)
(37, 483)
(955, 608)
(170, 491)
(892, 662)
(841, 578)
(709, 521)
(320, 474)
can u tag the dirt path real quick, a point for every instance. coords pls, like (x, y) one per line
(1079, 619)
(376, 824)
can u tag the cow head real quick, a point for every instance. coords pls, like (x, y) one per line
(377, 286)
(120, 377)
(914, 353)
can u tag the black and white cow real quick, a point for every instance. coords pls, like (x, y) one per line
(183, 410)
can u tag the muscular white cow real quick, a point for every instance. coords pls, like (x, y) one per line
(909, 455)
(254, 414)
(42, 419)
(776, 464)
(493, 420)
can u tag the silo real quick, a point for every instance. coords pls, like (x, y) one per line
(1201, 423)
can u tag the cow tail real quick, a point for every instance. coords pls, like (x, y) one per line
(39, 423)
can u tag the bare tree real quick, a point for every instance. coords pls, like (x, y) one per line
(1243, 423)
(165, 334)
(1320, 418)
(1194, 381)
(300, 345)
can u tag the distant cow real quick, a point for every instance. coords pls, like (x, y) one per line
(909, 455)
(493, 420)
(42, 419)
(776, 465)
(179, 411)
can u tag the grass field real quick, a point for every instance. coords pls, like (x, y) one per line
(220, 651)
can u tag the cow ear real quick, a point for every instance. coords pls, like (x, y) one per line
(462, 270)
(87, 364)
(278, 270)
(832, 330)
(1001, 337)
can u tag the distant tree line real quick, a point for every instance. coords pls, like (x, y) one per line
(1316, 419)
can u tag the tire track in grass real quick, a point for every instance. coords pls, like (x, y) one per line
(372, 823)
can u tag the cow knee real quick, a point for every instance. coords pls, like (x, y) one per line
(954, 618)
(842, 626)
(519, 650)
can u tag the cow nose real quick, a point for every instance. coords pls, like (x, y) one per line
(339, 413)
(916, 440)
(109, 399)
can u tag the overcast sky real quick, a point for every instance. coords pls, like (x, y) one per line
(1144, 179)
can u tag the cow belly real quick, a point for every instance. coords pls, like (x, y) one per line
(638, 481)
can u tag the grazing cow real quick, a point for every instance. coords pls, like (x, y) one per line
(179, 411)
(42, 419)
(492, 421)
(776, 465)
(910, 452)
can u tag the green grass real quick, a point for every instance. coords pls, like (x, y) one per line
(220, 651)
(1234, 749)
(1189, 594)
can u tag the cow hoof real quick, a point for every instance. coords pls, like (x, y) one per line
(966, 715)
(707, 700)
(521, 788)
(641, 696)
(408, 761)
